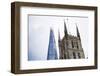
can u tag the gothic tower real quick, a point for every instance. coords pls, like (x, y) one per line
(70, 46)
(52, 52)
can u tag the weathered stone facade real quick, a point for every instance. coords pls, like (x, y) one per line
(70, 47)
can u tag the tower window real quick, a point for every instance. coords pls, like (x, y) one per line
(77, 44)
(64, 56)
(79, 56)
(65, 45)
(72, 44)
(74, 56)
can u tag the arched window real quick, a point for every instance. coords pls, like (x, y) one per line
(74, 56)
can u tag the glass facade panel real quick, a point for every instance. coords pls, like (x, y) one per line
(52, 52)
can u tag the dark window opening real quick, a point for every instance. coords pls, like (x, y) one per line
(72, 44)
(74, 56)
(77, 44)
(64, 56)
(79, 56)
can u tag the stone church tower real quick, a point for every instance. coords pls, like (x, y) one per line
(70, 46)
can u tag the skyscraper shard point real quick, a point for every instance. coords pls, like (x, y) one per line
(52, 51)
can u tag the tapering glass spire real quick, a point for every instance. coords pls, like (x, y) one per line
(52, 52)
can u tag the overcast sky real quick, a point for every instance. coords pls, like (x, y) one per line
(39, 31)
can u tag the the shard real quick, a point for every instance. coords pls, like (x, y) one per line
(52, 52)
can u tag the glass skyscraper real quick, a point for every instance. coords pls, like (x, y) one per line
(52, 52)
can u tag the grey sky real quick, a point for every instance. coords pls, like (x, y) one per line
(39, 29)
